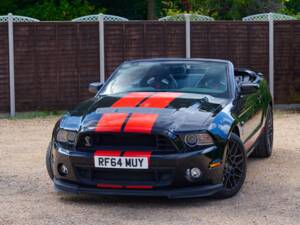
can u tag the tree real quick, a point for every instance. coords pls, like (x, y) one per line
(292, 7)
(130, 9)
(236, 9)
(151, 10)
(225, 9)
(58, 9)
(143, 9)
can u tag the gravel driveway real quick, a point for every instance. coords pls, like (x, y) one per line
(271, 193)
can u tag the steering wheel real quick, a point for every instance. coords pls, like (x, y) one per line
(163, 81)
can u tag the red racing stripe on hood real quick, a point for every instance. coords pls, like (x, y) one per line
(140, 123)
(160, 100)
(111, 122)
(131, 99)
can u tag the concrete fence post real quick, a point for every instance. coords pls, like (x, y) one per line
(271, 53)
(11, 65)
(187, 36)
(101, 47)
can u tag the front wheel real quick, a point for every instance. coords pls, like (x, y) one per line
(49, 162)
(235, 167)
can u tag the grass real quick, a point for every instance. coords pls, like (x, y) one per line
(286, 111)
(32, 115)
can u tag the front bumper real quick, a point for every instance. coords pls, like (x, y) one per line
(166, 175)
(184, 192)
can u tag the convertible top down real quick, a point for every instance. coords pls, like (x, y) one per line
(164, 127)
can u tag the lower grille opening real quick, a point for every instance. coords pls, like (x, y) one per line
(141, 176)
(156, 177)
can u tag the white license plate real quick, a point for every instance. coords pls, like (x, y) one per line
(121, 162)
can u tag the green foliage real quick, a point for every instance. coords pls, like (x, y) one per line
(292, 7)
(58, 10)
(227, 9)
(130, 9)
(172, 8)
(35, 114)
(137, 9)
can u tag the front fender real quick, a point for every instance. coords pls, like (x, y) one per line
(222, 125)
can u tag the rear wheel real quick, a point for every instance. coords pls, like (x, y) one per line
(265, 145)
(234, 168)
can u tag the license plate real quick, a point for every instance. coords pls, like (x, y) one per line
(121, 162)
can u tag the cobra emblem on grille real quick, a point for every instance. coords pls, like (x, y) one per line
(87, 141)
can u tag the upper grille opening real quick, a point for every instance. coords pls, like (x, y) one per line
(130, 141)
(125, 140)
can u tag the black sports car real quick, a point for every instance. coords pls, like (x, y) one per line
(164, 127)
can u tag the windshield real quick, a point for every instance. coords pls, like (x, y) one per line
(203, 77)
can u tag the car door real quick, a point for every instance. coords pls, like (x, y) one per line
(249, 113)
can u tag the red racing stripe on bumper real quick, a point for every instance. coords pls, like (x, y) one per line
(138, 154)
(109, 186)
(140, 123)
(131, 100)
(107, 153)
(111, 122)
(159, 100)
(114, 186)
(139, 187)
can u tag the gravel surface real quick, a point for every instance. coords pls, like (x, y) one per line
(270, 195)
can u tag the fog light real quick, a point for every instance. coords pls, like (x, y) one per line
(62, 170)
(193, 174)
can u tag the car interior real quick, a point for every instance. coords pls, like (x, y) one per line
(247, 76)
(185, 76)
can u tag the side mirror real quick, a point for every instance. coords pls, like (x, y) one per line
(247, 89)
(95, 87)
(260, 74)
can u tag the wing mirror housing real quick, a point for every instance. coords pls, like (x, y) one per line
(95, 87)
(247, 89)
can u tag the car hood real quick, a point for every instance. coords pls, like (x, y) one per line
(156, 113)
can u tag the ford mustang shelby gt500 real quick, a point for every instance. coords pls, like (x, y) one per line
(164, 127)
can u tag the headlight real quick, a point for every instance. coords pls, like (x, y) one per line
(193, 140)
(66, 136)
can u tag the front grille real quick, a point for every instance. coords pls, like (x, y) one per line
(125, 141)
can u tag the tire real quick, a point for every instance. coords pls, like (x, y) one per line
(49, 162)
(235, 168)
(265, 145)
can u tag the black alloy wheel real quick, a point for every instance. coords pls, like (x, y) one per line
(235, 168)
